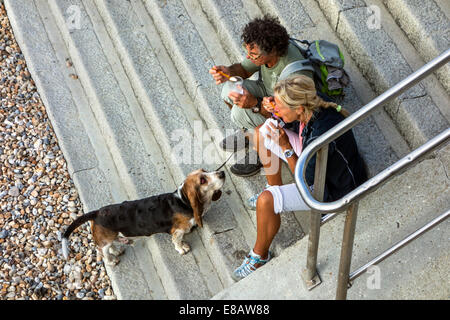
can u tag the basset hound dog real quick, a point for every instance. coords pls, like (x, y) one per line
(174, 213)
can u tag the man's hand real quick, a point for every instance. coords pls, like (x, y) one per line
(245, 100)
(218, 77)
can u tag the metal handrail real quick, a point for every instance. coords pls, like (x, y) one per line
(348, 124)
(350, 201)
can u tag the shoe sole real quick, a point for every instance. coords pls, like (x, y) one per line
(247, 174)
(239, 279)
(235, 278)
(233, 149)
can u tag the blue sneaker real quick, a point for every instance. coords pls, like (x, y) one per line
(251, 262)
(251, 202)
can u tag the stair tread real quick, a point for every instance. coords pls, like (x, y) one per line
(427, 26)
(369, 46)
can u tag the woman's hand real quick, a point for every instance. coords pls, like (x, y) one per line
(245, 100)
(268, 104)
(279, 136)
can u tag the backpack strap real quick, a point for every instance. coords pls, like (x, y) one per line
(303, 51)
(295, 67)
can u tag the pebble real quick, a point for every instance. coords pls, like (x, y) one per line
(37, 196)
(80, 295)
(4, 234)
(14, 192)
(67, 269)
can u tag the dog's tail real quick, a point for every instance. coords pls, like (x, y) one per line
(78, 222)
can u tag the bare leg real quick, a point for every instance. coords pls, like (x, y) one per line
(267, 224)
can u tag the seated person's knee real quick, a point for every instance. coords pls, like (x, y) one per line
(265, 200)
(238, 117)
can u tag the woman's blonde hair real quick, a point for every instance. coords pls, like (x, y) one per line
(299, 90)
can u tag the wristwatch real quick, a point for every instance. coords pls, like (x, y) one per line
(288, 153)
(257, 108)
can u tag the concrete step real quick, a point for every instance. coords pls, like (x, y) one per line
(184, 39)
(427, 25)
(388, 215)
(383, 64)
(228, 18)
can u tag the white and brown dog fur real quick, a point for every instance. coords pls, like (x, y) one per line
(174, 213)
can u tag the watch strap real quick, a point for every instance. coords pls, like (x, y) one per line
(288, 153)
(257, 107)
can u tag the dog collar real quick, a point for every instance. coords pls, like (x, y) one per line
(182, 196)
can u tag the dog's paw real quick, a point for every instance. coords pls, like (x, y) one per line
(111, 260)
(125, 240)
(117, 251)
(184, 248)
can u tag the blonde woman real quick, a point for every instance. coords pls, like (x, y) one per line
(296, 101)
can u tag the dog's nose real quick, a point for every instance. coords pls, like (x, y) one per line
(221, 174)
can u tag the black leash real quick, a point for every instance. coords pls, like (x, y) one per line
(224, 162)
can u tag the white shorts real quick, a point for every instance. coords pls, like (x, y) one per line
(285, 197)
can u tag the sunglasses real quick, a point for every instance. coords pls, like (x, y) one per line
(251, 55)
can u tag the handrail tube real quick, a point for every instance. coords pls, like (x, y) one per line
(352, 121)
(430, 225)
(328, 217)
(375, 182)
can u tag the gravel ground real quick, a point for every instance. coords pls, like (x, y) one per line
(37, 197)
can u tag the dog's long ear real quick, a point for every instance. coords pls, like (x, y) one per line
(190, 189)
(216, 196)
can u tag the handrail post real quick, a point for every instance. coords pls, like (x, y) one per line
(310, 275)
(346, 251)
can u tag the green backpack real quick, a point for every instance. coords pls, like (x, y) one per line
(326, 61)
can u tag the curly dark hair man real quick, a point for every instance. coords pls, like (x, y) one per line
(268, 34)
(268, 51)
